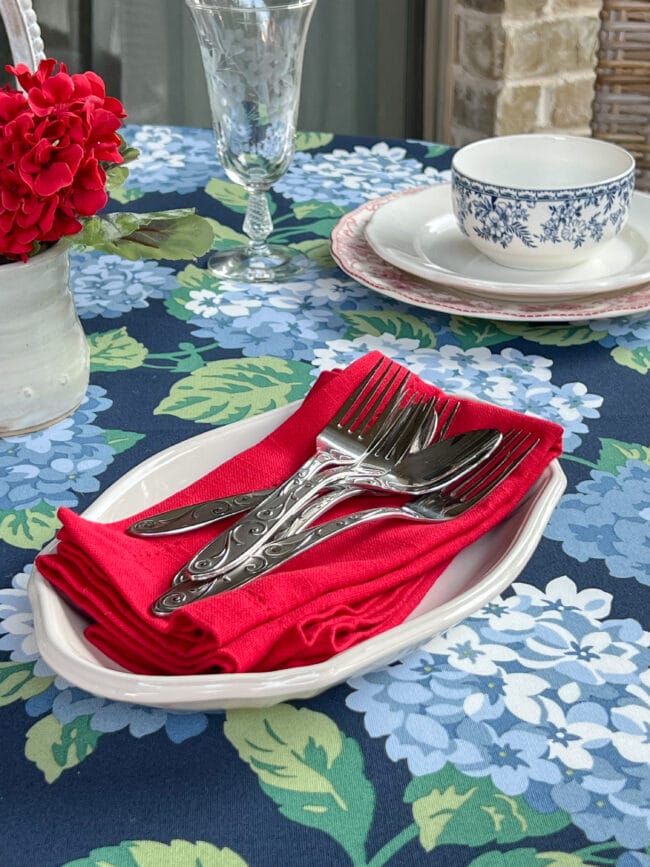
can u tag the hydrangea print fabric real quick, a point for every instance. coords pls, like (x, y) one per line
(520, 737)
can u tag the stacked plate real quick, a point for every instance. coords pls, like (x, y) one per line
(408, 246)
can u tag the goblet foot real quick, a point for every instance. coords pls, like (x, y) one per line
(273, 263)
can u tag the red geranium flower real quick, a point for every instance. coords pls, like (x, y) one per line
(58, 136)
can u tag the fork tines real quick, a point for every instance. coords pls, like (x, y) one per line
(375, 394)
(515, 446)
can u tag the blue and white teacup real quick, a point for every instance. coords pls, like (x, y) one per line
(541, 202)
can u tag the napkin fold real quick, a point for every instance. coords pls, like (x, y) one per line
(326, 600)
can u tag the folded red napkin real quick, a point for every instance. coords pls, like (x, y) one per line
(327, 599)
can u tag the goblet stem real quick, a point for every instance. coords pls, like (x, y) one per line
(259, 261)
(258, 224)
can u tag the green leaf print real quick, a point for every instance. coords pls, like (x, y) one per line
(376, 323)
(18, 682)
(124, 195)
(477, 332)
(54, 747)
(121, 440)
(233, 389)
(192, 280)
(528, 857)
(553, 335)
(312, 771)
(637, 359)
(29, 528)
(225, 238)
(451, 808)
(436, 150)
(115, 350)
(231, 195)
(614, 454)
(311, 140)
(318, 250)
(314, 209)
(150, 853)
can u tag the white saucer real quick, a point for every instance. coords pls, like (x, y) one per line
(354, 255)
(417, 232)
(477, 575)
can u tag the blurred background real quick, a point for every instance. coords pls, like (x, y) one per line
(365, 70)
(450, 71)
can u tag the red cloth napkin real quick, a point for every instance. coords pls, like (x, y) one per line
(329, 598)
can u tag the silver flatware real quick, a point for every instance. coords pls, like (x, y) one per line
(415, 474)
(362, 434)
(444, 504)
(183, 519)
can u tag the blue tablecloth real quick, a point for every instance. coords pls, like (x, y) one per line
(519, 737)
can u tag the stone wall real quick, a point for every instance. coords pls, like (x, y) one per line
(522, 66)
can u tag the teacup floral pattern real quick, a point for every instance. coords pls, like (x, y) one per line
(501, 215)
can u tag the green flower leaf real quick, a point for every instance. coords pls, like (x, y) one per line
(121, 440)
(529, 857)
(150, 853)
(126, 195)
(477, 332)
(311, 140)
(317, 249)
(54, 747)
(436, 150)
(232, 195)
(312, 771)
(553, 335)
(115, 177)
(637, 359)
(18, 682)
(374, 322)
(191, 279)
(315, 209)
(225, 238)
(115, 350)
(29, 528)
(236, 388)
(179, 234)
(614, 454)
(450, 808)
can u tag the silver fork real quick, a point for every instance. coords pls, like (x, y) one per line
(356, 437)
(447, 503)
(185, 518)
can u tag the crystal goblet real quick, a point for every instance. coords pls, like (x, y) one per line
(252, 53)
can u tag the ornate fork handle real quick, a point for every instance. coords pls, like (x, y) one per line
(269, 556)
(197, 515)
(245, 538)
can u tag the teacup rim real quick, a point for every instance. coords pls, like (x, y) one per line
(569, 187)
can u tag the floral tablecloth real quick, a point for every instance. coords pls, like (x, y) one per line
(519, 737)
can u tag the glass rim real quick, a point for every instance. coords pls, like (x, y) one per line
(231, 7)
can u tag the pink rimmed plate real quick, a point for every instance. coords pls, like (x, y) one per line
(355, 256)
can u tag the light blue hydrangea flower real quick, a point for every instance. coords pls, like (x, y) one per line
(349, 178)
(539, 691)
(608, 519)
(507, 378)
(287, 320)
(56, 464)
(629, 332)
(172, 160)
(108, 286)
(67, 702)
